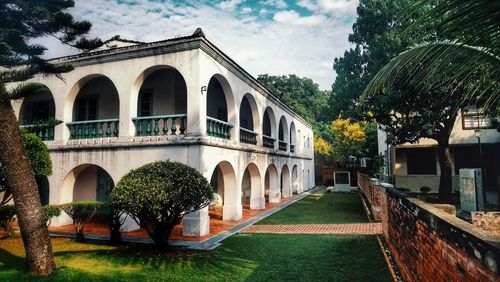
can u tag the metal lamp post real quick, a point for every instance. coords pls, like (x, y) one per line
(477, 133)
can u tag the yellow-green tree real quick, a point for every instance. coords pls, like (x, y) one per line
(349, 138)
(322, 149)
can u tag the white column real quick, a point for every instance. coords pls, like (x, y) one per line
(232, 209)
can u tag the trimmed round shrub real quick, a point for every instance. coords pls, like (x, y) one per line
(81, 212)
(159, 194)
(50, 211)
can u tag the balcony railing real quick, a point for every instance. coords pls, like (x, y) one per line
(160, 125)
(93, 128)
(248, 136)
(46, 133)
(218, 128)
(292, 148)
(282, 145)
(268, 141)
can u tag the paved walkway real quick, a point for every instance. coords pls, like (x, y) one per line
(358, 228)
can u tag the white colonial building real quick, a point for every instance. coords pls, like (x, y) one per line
(131, 103)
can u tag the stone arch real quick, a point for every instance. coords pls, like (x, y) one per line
(36, 109)
(224, 181)
(249, 119)
(283, 134)
(269, 128)
(285, 183)
(295, 181)
(221, 107)
(92, 99)
(251, 188)
(87, 182)
(159, 91)
(271, 185)
(293, 137)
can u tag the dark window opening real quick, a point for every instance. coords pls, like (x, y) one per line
(145, 104)
(86, 108)
(421, 161)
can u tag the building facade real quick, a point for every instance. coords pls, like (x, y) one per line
(131, 103)
(413, 166)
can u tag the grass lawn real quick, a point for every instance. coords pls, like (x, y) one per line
(321, 208)
(248, 257)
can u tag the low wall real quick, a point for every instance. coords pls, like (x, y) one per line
(428, 244)
(374, 195)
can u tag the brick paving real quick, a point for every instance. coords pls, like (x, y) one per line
(358, 228)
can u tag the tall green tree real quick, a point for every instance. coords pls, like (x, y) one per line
(302, 95)
(377, 38)
(22, 21)
(419, 92)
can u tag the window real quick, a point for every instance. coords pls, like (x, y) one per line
(466, 157)
(145, 104)
(86, 108)
(473, 118)
(421, 161)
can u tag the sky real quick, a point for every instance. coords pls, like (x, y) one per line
(277, 37)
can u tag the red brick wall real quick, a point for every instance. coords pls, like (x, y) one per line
(374, 195)
(428, 244)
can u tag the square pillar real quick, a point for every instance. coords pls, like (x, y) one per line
(197, 223)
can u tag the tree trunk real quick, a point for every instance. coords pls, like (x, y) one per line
(39, 258)
(445, 184)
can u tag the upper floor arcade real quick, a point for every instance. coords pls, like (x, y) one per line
(178, 90)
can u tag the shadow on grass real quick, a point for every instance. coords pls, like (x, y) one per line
(249, 257)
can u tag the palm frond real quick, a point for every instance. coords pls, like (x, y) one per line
(26, 90)
(445, 65)
(473, 22)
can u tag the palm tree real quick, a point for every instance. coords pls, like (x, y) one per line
(467, 57)
(463, 63)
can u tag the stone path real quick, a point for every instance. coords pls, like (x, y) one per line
(357, 228)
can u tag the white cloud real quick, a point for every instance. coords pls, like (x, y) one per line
(294, 18)
(288, 43)
(280, 4)
(329, 6)
(229, 4)
(246, 10)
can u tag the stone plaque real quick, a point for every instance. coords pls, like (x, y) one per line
(342, 181)
(471, 190)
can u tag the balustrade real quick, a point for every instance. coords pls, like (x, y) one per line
(282, 145)
(93, 128)
(160, 125)
(268, 141)
(248, 136)
(46, 133)
(218, 128)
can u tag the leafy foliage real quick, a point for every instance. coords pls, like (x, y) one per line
(323, 149)
(38, 155)
(302, 95)
(115, 219)
(377, 36)
(49, 212)
(81, 212)
(159, 194)
(349, 138)
(7, 213)
(463, 58)
(23, 21)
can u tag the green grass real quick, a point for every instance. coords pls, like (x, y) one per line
(321, 208)
(244, 257)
